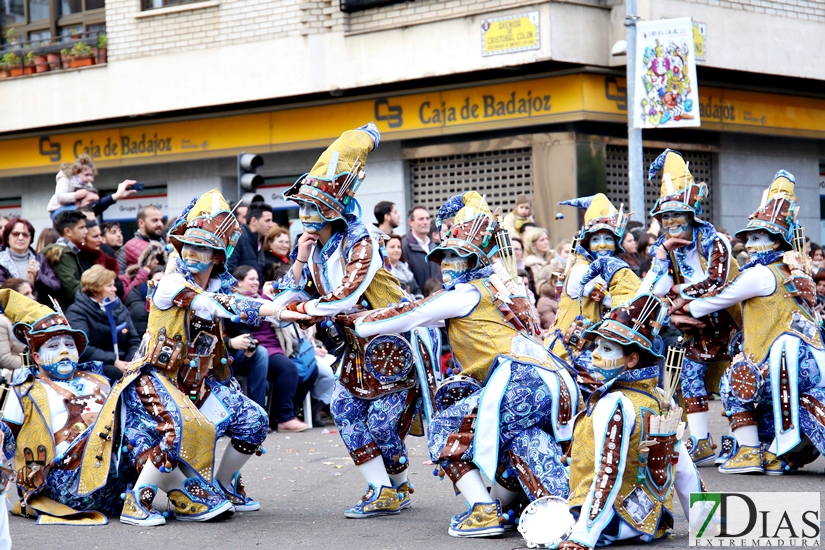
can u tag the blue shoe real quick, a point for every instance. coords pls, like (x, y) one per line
(377, 502)
(198, 501)
(728, 446)
(137, 507)
(236, 494)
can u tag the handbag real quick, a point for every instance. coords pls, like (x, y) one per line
(303, 354)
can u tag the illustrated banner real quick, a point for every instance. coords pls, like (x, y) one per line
(667, 92)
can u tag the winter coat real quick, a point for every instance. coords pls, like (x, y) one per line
(402, 272)
(46, 283)
(86, 314)
(10, 347)
(136, 304)
(247, 252)
(130, 251)
(67, 268)
(417, 260)
(275, 267)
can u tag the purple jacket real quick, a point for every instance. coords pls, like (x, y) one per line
(45, 284)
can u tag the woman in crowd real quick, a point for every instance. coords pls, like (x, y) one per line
(136, 300)
(87, 313)
(10, 346)
(400, 268)
(276, 252)
(560, 255)
(283, 372)
(47, 237)
(518, 251)
(816, 258)
(19, 260)
(631, 252)
(536, 248)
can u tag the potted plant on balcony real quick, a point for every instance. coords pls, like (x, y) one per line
(81, 55)
(28, 63)
(4, 70)
(41, 61)
(102, 48)
(12, 62)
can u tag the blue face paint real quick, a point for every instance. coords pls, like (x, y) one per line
(677, 225)
(58, 357)
(759, 244)
(197, 258)
(607, 360)
(603, 244)
(453, 266)
(311, 218)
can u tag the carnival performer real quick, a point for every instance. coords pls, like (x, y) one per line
(339, 269)
(595, 279)
(177, 401)
(626, 458)
(514, 428)
(48, 416)
(692, 260)
(774, 392)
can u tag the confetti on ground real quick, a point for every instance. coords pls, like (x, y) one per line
(339, 466)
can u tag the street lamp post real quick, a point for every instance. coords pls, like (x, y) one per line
(635, 159)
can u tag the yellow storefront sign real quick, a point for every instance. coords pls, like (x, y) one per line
(508, 104)
(511, 33)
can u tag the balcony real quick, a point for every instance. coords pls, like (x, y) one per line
(38, 57)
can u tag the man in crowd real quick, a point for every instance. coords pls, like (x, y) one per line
(250, 246)
(63, 255)
(388, 218)
(150, 228)
(416, 245)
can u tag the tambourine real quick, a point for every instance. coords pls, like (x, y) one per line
(388, 358)
(546, 522)
(746, 381)
(454, 389)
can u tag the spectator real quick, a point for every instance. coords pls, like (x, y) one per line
(19, 260)
(63, 254)
(819, 279)
(136, 300)
(4, 220)
(431, 286)
(321, 393)
(47, 237)
(112, 238)
(518, 251)
(521, 214)
(525, 227)
(283, 372)
(10, 346)
(816, 258)
(87, 314)
(546, 304)
(631, 254)
(137, 274)
(388, 218)
(249, 250)
(536, 249)
(73, 182)
(150, 228)
(416, 245)
(240, 210)
(643, 243)
(560, 254)
(644, 267)
(276, 253)
(399, 267)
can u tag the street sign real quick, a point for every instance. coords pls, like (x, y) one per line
(511, 33)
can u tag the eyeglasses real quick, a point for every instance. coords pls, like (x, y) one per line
(16, 234)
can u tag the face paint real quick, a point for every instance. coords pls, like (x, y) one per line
(677, 225)
(453, 266)
(607, 360)
(311, 218)
(603, 244)
(759, 244)
(197, 258)
(58, 356)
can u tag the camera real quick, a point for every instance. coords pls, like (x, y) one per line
(252, 347)
(138, 186)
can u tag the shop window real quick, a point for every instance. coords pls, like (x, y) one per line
(14, 12)
(498, 175)
(618, 188)
(350, 6)
(154, 4)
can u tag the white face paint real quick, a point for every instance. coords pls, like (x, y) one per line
(58, 356)
(607, 360)
(311, 217)
(453, 266)
(759, 244)
(197, 258)
(603, 243)
(677, 225)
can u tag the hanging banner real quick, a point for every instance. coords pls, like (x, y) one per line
(667, 93)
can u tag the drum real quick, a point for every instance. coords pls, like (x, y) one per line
(388, 358)
(746, 381)
(546, 522)
(453, 390)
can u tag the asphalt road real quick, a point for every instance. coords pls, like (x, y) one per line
(305, 481)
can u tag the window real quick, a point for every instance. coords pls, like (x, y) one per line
(359, 5)
(153, 4)
(41, 20)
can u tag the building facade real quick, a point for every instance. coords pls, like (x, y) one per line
(505, 96)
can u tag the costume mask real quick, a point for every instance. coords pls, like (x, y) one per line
(602, 244)
(311, 218)
(607, 360)
(197, 258)
(759, 244)
(453, 266)
(677, 225)
(58, 356)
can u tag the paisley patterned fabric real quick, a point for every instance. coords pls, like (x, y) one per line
(246, 420)
(60, 486)
(361, 422)
(693, 378)
(140, 427)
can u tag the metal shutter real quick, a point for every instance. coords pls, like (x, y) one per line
(498, 175)
(617, 189)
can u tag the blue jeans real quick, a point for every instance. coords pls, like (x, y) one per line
(255, 369)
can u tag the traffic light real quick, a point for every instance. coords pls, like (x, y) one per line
(248, 180)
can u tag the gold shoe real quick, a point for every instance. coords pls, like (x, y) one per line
(701, 450)
(774, 465)
(377, 502)
(747, 459)
(404, 491)
(484, 519)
